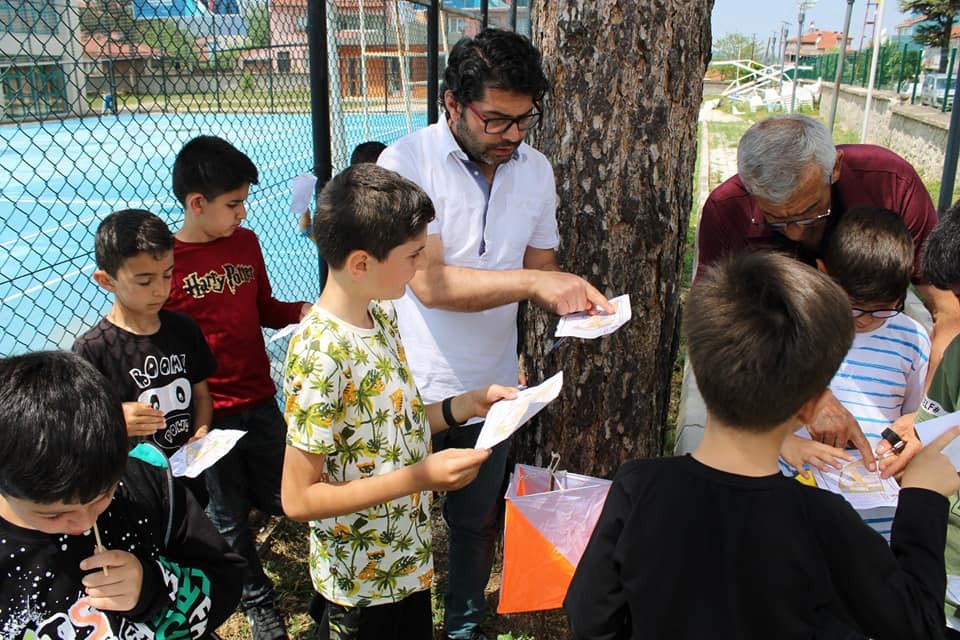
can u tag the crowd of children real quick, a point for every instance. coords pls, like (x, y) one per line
(98, 540)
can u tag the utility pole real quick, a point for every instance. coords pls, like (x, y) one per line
(802, 5)
(840, 61)
(783, 50)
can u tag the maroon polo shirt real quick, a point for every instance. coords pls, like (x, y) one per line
(869, 175)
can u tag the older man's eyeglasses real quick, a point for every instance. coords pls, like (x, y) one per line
(502, 125)
(783, 224)
(878, 313)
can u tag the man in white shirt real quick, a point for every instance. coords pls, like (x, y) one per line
(491, 245)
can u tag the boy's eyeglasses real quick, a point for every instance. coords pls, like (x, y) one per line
(502, 125)
(878, 313)
(803, 222)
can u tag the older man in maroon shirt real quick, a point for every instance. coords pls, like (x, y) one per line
(793, 187)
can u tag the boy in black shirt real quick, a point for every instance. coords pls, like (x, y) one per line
(157, 360)
(66, 485)
(720, 544)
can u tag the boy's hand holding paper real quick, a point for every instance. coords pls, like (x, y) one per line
(301, 192)
(452, 469)
(192, 458)
(506, 416)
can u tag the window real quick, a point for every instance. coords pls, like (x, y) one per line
(351, 21)
(35, 91)
(29, 16)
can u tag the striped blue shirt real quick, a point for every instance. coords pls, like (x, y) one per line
(882, 376)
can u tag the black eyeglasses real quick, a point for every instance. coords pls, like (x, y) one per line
(878, 313)
(803, 222)
(502, 125)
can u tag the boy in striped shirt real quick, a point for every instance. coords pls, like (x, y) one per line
(870, 254)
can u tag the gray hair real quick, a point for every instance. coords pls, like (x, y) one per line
(773, 153)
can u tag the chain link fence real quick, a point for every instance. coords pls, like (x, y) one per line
(98, 96)
(898, 67)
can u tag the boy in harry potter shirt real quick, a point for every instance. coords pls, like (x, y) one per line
(220, 280)
(162, 570)
(156, 360)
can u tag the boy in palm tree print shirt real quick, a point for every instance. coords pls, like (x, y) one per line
(358, 464)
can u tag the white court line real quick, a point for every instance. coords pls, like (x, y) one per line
(48, 230)
(142, 204)
(89, 267)
(46, 284)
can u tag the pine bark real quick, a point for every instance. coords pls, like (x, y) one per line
(621, 131)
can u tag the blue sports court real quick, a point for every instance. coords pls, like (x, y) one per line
(58, 179)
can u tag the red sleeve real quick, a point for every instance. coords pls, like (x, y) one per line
(918, 214)
(273, 313)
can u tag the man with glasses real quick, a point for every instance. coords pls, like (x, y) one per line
(491, 246)
(792, 188)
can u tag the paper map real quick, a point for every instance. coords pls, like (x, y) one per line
(302, 188)
(191, 459)
(506, 416)
(863, 489)
(584, 325)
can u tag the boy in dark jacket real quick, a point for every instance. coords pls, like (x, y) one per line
(93, 543)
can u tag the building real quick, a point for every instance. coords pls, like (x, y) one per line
(119, 63)
(38, 54)
(815, 42)
(366, 33)
(906, 32)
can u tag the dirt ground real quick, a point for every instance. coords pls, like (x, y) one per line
(285, 549)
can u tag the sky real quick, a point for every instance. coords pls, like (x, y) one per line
(763, 18)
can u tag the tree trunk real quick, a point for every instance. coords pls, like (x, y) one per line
(620, 129)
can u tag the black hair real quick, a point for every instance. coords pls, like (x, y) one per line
(870, 254)
(367, 152)
(368, 208)
(62, 432)
(494, 59)
(941, 266)
(751, 323)
(129, 232)
(211, 166)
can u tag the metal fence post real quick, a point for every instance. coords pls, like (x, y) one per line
(881, 68)
(916, 78)
(433, 59)
(273, 108)
(319, 102)
(948, 178)
(513, 15)
(484, 13)
(903, 63)
(319, 89)
(216, 63)
(946, 93)
(841, 59)
(163, 83)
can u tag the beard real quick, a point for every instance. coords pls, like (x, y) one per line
(482, 152)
